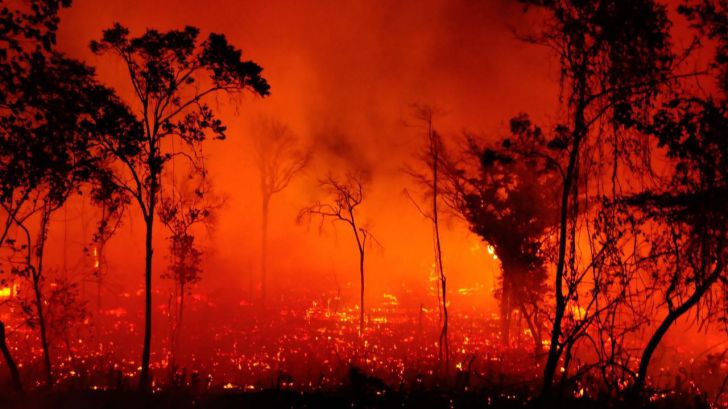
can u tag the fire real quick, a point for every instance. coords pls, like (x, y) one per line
(8, 291)
(578, 313)
(96, 258)
(391, 299)
(491, 251)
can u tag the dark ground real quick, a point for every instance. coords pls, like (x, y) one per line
(292, 399)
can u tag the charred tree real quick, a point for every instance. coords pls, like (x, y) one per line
(9, 361)
(433, 159)
(345, 198)
(614, 55)
(509, 200)
(186, 207)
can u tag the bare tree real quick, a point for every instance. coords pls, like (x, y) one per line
(279, 159)
(433, 158)
(345, 197)
(189, 203)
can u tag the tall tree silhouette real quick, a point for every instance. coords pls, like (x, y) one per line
(692, 250)
(510, 200)
(190, 203)
(172, 75)
(434, 158)
(613, 55)
(53, 113)
(279, 158)
(345, 198)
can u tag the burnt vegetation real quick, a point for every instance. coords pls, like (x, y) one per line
(609, 224)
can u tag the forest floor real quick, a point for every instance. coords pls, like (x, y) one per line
(302, 356)
(345, 398)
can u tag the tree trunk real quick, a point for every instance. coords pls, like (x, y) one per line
(506, 308)
(665, 325)
(570, 179)
(361, 291)
(444, 339)
(144, 376)
(180, 319)
(43, 334)
(14, 373)
(37, 274)
(264, 248)
(534, 328)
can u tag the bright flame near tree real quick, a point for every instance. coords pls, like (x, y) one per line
(96, 257)
(491, 251)
(9, 291)
(578, 313)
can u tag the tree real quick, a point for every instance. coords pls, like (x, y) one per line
(434, 158)
(51, 115)
(692, 249)
(9, 361)
(48, 154)
(614, 54)
(186, 206)
(279, 159)
(172, 74)
(509, 200)
(346, 196)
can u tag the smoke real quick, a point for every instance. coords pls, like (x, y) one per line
(344, 76)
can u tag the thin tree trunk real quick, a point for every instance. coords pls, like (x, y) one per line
(665, 325)
(144, 376)
(361, 290)
(553, 356)
(535, 330)
(264, 248)
(37, 274)
(14, 373)
(180, 319)
(569, 181)
(43, 334)
(506, 308)
(444, 339)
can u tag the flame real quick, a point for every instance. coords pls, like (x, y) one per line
(96, 257)
(391, 298)
(491, 251)
(578, 313)
(8, 291)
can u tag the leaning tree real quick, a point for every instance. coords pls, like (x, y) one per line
(692, 247)
(172, 74)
